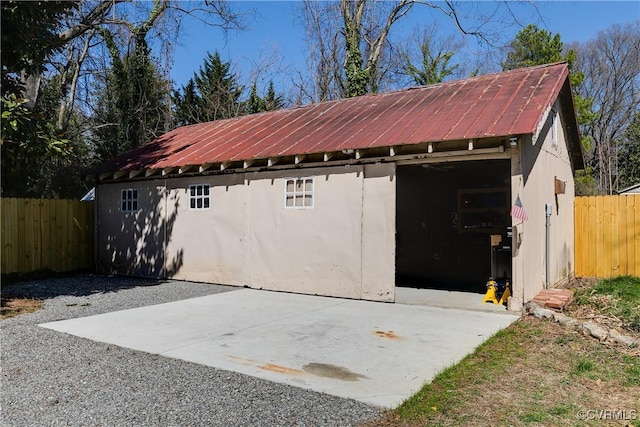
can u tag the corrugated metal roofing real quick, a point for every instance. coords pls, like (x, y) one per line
(503, 104)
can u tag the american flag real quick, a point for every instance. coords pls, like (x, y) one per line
(517, 210)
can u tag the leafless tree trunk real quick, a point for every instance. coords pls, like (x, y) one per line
(349, 40)
(611, 65)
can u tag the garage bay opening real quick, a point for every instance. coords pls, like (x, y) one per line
(453, 225)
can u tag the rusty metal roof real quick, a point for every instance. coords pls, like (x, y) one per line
(503, 104)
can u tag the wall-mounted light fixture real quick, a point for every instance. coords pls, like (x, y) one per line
(513, 140)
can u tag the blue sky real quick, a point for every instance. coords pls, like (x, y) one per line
(275, 27)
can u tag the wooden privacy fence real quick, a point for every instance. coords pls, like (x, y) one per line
(607, 235)
(42, 234)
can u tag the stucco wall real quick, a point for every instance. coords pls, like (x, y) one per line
(344, 246)
(536, 162)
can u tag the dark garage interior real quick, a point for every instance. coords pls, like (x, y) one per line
(452, 222)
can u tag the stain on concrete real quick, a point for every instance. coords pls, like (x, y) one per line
(332, 371)
(243, 361)
(387, 334)
(280, 369)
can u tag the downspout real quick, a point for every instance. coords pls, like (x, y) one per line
(547, 248)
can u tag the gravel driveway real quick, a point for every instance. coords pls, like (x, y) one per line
(52, 379)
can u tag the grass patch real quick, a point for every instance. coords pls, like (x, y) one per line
(10, 307)
(583, 367)
(618, 297)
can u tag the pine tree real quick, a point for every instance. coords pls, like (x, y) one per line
(212, 93)
(272, 101)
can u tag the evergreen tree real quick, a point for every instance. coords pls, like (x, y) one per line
(533, 46)
(186, 105)
(254, 103)
(212, 93)
(272, 101)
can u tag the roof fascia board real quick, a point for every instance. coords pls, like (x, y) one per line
(497, 152)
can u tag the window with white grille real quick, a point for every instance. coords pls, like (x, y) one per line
(298, 193)
(129, 200)
(199, 196)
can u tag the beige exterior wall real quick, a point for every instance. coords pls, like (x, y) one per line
(344, 246)
(131, 243)
(536, 162)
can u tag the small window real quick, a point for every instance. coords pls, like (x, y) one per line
(298, 193)
(129, 200)
(199, 196)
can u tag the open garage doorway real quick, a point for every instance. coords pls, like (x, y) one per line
(453, 224)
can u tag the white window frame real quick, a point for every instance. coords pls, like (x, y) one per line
(304, 193)
(204, 197)
(129, 200)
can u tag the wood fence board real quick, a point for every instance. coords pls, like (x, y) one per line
(636, 240)
(577, 220)
(45, 249)
(51, 224)
(9, 230)
(42, 234)
(630, 233)
(607, 239)
(615, 236)
(590, 249)
(622, 235)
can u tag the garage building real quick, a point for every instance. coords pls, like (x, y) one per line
(440, 186)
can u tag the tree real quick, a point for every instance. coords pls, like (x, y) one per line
(629, 154)
(350, 40)
(132, 105)
(58, 47)
(212, 93)
(610, 64)
(272, 101)
(256, 104)
(433, 67)
(534, 46)
(28, 41)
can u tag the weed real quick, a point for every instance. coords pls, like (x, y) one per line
(583, 367)
(561, 410)
(533, 417)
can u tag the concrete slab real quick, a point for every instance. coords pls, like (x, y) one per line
(376, 353)
(446, 299)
